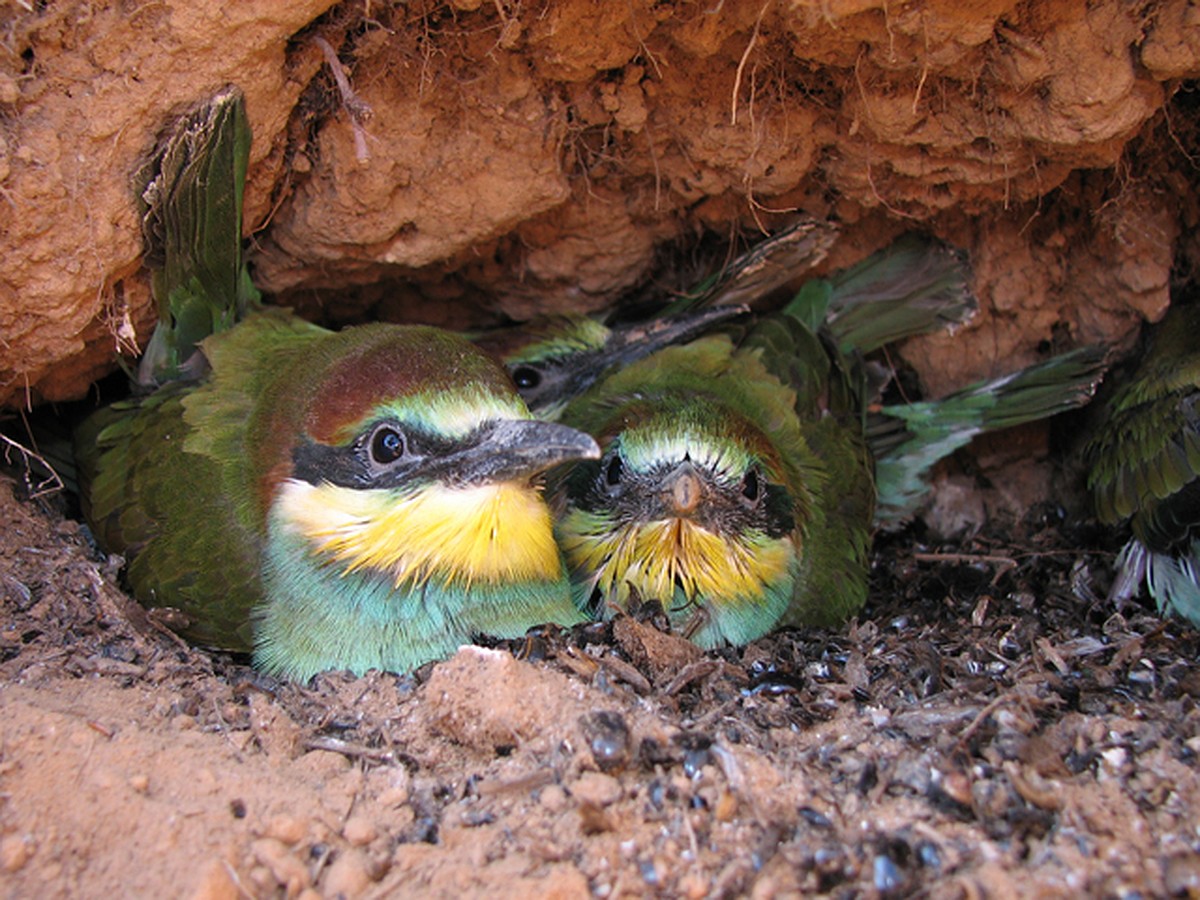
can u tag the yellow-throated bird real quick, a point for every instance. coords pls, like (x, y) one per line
(1143, 462)
(741, 478)
(362, 499)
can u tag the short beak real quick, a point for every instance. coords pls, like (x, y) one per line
(682, 490)
(512, 449)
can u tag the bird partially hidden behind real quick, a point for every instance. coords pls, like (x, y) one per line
(1143, 465)
(554, 359)
(743, 473)
(353, 500)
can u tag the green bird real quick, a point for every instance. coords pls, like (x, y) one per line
(1143, 464)
(742, 475)
(361, 499)
(557, 358)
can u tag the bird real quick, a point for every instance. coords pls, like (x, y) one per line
(919, 282)
(553, 359)
(1142, 460)
(744, 473)
(361, 499)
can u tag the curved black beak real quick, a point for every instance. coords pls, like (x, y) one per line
(630, 342)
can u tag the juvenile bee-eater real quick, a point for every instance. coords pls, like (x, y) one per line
(1144, 465)
(738, 485)
(357, 500)
(913, 286)
(554, 359)
(557, 358)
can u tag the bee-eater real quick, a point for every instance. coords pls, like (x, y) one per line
(1143, 462)
(912, 287)
(741, 478)
(556, 358)
(362, 499)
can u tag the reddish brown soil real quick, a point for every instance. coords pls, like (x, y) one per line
(980, 731)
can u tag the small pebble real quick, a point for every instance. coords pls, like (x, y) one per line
(359, 831)
(553, 798)
(1181, 873)
(323, 764)
(596, 788)
(726, 807)
(216, 883)
(15, 851)
(608, 738)
(263, 881)
(139, 783)
(286, 829)
(693, 886)
(184, 722)
(287, 869)
(347, 876)
(887, 877)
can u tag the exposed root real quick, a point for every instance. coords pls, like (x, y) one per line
(357, 108)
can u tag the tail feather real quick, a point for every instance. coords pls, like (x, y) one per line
(192, 228)
(1128, 574)
(1173, 582)
(907, 440)
(763, 268)
(915, 285)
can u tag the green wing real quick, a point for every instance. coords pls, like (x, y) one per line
(908, 439)
(1143, 461)
(148, 467)
(1144, 458)
(828, 407)
(146, 476)
(913, 286)
(1148, 455)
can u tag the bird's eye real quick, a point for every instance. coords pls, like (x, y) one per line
(614, 470)
(526, 378)
(750, 486)
(387, 445)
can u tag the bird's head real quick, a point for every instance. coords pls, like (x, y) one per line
(690, 506)
(556, 359)
(405, 451)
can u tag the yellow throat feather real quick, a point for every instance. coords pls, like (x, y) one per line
(494, 534)
(650, 557)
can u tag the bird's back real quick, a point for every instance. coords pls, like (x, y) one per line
(167, 481)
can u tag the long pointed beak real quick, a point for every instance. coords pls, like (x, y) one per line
(629, 343)
(518, 448)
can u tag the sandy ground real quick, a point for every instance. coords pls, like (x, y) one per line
(980, 732)
(985, 729)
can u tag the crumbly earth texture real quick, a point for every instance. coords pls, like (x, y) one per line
(483, 161)
(986, 727)
(982, 730)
